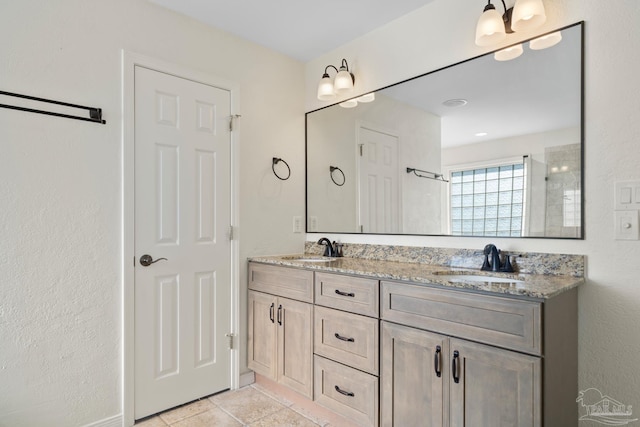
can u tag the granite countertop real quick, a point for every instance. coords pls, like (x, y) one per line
(524, 285)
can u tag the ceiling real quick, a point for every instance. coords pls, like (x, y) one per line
(300, 29)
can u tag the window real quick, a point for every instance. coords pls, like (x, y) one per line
(488, 201)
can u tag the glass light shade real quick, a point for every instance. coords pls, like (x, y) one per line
(509, 53)
(527, 14)
(325, 89)
(545, 41)
(490, 28)
(349, 104)
(343, 82)
(369, 97)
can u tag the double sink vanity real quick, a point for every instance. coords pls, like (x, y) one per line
(396, 336)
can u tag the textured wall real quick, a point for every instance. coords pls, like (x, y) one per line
(60, 197)
(442, 33)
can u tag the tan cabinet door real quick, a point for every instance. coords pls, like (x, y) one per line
(491, 387)
(412, 392)
(295, 345)
(262, 349)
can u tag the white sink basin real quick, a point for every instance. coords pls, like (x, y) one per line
(477, 278)
(309, 258)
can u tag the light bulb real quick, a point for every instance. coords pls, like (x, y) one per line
(546, 41)
(490, 28)
(527, 14)
(508, 53)
(325, 89)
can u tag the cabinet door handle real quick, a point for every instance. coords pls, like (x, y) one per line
(337, 335)
(455, 367)
(346, 393)
(345, 294)
(437, 360)
(271, 310)
(280, 314)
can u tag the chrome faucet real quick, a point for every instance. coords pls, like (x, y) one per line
(329, 249)
(496, 263)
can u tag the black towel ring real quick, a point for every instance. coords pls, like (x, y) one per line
(335, 168)
(273, 168)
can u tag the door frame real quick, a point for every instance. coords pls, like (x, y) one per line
(129, 61)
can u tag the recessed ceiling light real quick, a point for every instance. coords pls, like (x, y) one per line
(481, 134)
(454, 103)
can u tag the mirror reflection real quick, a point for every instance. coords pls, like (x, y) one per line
(481, 148)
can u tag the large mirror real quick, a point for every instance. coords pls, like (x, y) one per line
(481, 148)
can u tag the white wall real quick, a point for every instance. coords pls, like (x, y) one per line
(60, 198)
(442, 33)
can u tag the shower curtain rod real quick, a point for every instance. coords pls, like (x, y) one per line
(95, 114)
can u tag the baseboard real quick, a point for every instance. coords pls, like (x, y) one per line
(115, 421)
(247, 378)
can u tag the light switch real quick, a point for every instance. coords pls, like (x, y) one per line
(297, 224)
(626, 225)
(313, 223)
(627, 195)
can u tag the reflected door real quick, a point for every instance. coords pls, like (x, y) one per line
(182, 213)
(378, 187)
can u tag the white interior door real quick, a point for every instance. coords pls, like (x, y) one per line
(182, 213)
(378, 189)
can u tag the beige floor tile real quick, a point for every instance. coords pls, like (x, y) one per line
(284, 417)
(152, 422)
(186, 411)
(247, 404)
(283, 400)
(215, 417)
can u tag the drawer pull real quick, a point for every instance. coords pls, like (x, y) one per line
(280, 314)
(345, 294)
(455, 367)
(271, 311)
(346, 393)
(437, 360)
(344, 338)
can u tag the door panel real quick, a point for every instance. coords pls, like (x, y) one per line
(496, 388)
(295, 346)
(412, 393)
(182, 213)
(379, 187)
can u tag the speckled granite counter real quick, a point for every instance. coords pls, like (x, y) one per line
(541, 286)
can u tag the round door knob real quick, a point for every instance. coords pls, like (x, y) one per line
(146, 260)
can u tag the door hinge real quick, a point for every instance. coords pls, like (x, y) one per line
(362, 228)
(230, 337)
(231, 232)
(232, 118)
(361, 149)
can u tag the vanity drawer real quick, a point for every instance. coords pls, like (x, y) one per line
(508, 323)
(347, 338)
(353, 294)
(282, 281)
(347, 391)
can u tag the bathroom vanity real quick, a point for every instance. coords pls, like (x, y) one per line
(405, 343)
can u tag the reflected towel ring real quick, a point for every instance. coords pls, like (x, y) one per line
(334, 168)
(275, 161)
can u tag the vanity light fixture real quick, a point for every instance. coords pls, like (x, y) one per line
(545, 41)
(350, 103)
(342, 84)
(512, 52)
(493, 27)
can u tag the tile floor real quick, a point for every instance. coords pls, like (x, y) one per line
(252, 406)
